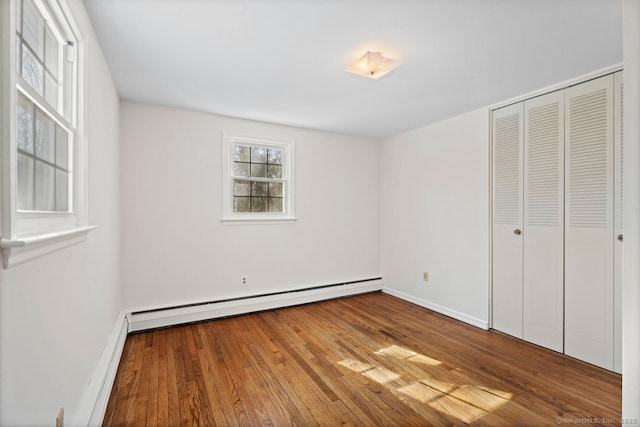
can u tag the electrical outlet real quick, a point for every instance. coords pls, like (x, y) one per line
(60, 418)
(244, 280)
(425, 276)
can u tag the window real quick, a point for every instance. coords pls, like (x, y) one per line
(41, 113)
(257, 178)
(44, 110)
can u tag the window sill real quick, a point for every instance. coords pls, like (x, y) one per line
(251, 221)
(25, 248)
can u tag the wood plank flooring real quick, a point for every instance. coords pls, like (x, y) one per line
(368, 360)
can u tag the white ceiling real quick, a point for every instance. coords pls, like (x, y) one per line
(283, 61)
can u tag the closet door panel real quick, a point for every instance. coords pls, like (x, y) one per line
(543, 271)
(618, 153)
(589, 222)
(507, 220)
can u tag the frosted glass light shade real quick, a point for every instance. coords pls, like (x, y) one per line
(372, 65)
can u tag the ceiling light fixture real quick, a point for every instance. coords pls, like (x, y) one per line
(372, 65)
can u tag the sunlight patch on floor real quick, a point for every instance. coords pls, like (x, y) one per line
(403, 353)
(376, 373)
(355, 365)
(381, 375)
(466, 402)
(442, 386)
(481, 397)
(457, 408)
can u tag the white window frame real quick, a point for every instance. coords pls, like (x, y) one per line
(26, 235)
(229, 139)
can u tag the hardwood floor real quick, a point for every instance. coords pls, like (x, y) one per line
(366, 360)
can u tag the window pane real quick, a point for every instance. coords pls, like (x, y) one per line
(25, 183)
(259, 178)
(242, 204)
(24, 124)
(259, 204)
(276, 204)
(240, 169)
(274, 171)
(45, 135)
(275, 157)
(241, 188)
(52, 52)
(276, 189)
(62, 191)
(32, 70)
(44, 187)
(258, 171)
(258, 155)
(51, 90)
(260, 189)
(241, 153)
(62, 148)
(33, 28)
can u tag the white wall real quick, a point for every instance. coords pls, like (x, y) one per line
(175, 250)
(435, 216)
(631, 272)
(57, 311)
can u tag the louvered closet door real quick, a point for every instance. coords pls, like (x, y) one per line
(543, 301)
(589, 222)
(618, 153)
(507, 220)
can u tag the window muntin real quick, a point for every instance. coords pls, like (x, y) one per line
(44, 126)
(258, 178)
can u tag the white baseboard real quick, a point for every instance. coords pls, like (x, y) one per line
(175, 316)
(94, 403)
(479, 323)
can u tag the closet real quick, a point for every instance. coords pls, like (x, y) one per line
(557, 220)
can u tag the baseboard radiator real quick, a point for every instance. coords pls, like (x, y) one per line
(188, 313)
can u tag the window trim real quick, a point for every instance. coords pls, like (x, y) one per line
(230, 138)
(26, 235)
